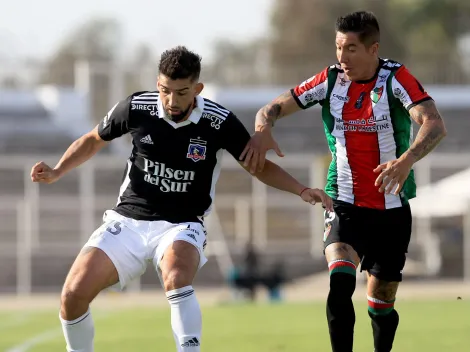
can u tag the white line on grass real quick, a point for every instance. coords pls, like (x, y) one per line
(43, 337)
(36, 340)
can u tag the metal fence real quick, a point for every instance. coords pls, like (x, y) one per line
(24, 231)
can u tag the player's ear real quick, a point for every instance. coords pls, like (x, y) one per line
(374, 48)
(199, 87)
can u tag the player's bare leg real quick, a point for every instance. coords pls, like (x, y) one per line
(179, 267)
(91, 272)
(342, 263)
(381, 299)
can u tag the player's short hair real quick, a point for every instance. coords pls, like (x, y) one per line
(180, 63)
(364, 23)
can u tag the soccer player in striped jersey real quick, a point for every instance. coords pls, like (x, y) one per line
(168, 188)
(368, 104)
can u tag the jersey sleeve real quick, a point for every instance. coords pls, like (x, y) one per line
(311, 91)
(116, 122)
(235, 136)
(407, 89)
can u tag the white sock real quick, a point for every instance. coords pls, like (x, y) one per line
(186, 319)
(79, 333)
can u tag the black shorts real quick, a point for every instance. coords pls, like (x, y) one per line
(380, 237)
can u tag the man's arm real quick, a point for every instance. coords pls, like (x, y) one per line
(310, 92)
(276, 177)
(411, 94)
(114, 125)
(282, 106)
(234, 138)
(431, 132)
(303, 96)
(80, 151)
(414, 98)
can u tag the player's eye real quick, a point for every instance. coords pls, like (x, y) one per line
(182, 93)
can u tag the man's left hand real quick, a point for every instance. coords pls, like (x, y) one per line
(315, 195)
(393, 174)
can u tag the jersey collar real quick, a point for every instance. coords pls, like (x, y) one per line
(194, 117)
(381, 63)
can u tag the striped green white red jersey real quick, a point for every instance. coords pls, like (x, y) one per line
(366, 123)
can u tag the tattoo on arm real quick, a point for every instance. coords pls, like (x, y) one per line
(425, 111)
(273, 112)
(431, 132)
(270, 113)
(427, 139)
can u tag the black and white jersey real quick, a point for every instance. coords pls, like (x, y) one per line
(173, 168)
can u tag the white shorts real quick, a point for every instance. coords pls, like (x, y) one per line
(131, 244)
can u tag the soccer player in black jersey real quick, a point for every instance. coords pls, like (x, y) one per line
(168, 188)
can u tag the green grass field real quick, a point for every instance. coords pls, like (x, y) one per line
(425, 327)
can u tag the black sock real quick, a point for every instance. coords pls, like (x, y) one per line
(384, 327)
(340, 309)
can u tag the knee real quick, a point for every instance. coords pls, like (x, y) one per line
(74, 302)
(179, 265)
(176, 277)
(381, 290)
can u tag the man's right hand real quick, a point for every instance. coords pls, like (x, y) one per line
(43, 173)
(254, 154)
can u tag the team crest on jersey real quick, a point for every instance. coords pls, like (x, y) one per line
(376, 94)
(197, 150)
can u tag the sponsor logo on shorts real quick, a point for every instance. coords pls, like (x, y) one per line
(188, 228)
(330, 216)
(327, 231)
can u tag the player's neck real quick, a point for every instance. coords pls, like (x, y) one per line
(371, 73)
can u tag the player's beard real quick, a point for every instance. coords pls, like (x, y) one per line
(180, 116)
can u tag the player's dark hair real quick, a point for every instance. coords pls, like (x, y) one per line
(363, 23)
(180, 63)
